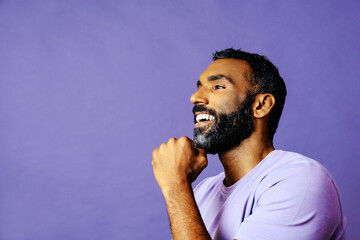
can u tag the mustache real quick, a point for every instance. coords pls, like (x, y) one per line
(202, 108)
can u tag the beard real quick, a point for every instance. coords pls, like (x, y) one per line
(228, 131)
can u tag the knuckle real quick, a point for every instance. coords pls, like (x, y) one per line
(154, 152)
(205, 163)
(184, 140)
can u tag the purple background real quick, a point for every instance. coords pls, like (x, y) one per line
(89, 88)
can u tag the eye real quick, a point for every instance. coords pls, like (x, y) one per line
(219, 87)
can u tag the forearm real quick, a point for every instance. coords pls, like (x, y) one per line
(184, 215)
(176, 164)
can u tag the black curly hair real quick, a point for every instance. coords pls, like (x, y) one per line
(265, 78)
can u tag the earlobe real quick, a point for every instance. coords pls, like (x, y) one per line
(263, 104)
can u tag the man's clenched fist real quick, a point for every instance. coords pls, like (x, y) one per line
(178, 162)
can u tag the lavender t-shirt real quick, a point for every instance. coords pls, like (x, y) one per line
(286, 196)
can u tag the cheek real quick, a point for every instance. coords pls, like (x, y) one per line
(227, 103)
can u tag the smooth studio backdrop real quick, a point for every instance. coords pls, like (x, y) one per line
(89, 88)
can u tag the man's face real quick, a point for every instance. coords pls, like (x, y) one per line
(222, 111)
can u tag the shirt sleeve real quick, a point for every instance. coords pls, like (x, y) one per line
(299, 202)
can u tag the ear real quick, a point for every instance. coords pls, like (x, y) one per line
(263, 103)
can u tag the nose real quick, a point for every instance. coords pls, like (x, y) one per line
(199, 98)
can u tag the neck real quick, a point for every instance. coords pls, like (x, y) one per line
(240, 160)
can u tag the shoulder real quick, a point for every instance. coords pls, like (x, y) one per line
(295, 198)
(296, 174)
(292, 166)
(302, 191)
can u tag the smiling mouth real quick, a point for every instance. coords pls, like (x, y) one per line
(202, 119)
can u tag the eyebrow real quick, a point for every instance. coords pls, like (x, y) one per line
(219, 76)
(216, 77)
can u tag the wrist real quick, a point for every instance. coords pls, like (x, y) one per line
(172, 190)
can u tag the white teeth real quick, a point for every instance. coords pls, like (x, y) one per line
(204, 117)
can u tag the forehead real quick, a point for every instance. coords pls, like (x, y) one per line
(237, 70)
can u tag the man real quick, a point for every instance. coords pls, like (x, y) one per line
(263, 193)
